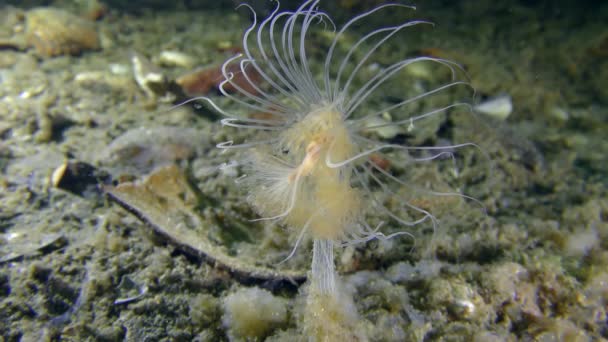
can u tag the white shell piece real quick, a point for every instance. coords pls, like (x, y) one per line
(176, 58)
(499, 107)
(386, 129)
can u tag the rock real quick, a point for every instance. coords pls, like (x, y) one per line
(54, 32)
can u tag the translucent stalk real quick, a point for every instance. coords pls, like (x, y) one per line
(323, 269)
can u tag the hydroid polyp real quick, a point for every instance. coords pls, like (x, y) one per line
(312, 166)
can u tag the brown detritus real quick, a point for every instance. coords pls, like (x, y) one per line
(199, 82)
(233, 50)
(600, 50)
(266, 116)
(380, 161)
(433, 52)
(54, 32)
(239, 80)
(203, 81)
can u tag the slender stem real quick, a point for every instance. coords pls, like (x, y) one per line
(323, 269)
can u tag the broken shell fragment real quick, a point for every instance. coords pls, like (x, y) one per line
(148, 77)
(383, 127)
(167, 202)
(175, 58)
(499, 107)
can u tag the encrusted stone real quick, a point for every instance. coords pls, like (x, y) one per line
(54, 32)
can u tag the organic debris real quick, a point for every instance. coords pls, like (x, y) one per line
(203, 81)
